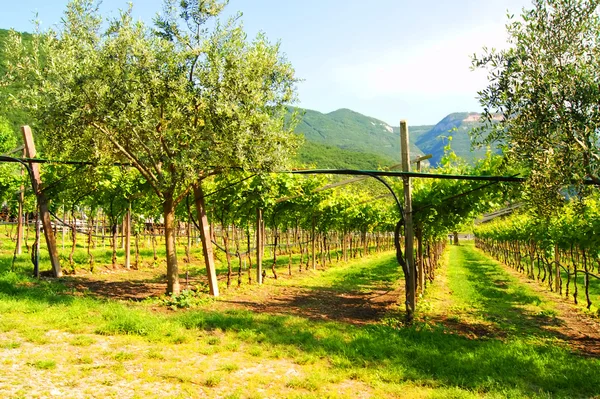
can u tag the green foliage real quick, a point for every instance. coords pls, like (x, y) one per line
(545, 89)
(191, 298)
(188, 99)
(441, 206)
(576, 225)
(326, 156)
(9, 177)
(15, 115)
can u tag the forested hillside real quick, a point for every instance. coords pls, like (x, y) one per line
(457, 125)
(350, 130)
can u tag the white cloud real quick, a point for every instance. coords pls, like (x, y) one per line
(437, 67)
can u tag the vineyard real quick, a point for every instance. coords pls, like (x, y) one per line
(159, 237)
(560, 251)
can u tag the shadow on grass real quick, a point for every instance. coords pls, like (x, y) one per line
(355, 294)
(420, 353)
(503, 301)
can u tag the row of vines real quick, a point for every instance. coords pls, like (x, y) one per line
(306, 222)
(560, 251)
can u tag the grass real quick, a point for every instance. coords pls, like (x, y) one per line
(479, 333)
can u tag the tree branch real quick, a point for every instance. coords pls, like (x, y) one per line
(152, 180)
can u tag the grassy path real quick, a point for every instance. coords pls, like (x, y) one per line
(480, 333)
(477, 298)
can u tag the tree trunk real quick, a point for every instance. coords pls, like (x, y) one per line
(172, 268)
(207, 249)
(137, 250)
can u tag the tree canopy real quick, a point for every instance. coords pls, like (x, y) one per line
(188, 98)
(546, 89)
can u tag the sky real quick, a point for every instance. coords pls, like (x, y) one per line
(388, 59)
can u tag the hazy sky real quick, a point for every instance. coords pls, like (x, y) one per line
(389, 59)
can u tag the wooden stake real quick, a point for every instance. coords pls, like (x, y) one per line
(314, 266)
(259, 245)
(30, 152)
(557, 268)
(20, 213)
(408, 223)
(127, 223)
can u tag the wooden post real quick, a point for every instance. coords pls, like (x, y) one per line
(64, 226)
(408, 231)
(259, 245)
(123, 232)
(20, 213)
(30, 152)
(207, 251)
(36, 265)
(314, 266)
(128, 237)
(419, 234)
(557, 268)
(420, 260)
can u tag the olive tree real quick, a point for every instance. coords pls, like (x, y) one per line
(183, 100)
(543, 95)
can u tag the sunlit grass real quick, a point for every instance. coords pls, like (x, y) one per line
(215, 349)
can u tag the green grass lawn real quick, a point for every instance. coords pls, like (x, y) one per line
(478, 333)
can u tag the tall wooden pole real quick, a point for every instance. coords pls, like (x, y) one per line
(128, 237)
(557, 269)
(30, 152)
(259, 245)
(313, 250)
(420, 260)
(408, 223)
(20, 214)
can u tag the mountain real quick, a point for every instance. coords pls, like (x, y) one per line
(350, 130)
(458, 125)
(348, 139)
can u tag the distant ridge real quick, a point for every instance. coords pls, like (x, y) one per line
(458, 125)
(364, 137)
(350, 130)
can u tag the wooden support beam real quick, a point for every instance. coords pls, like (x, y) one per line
(127, 223)
(30, 152)
(313, 240)
(259, 245)
(557, 269)
(20, 212)
(408, 223)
